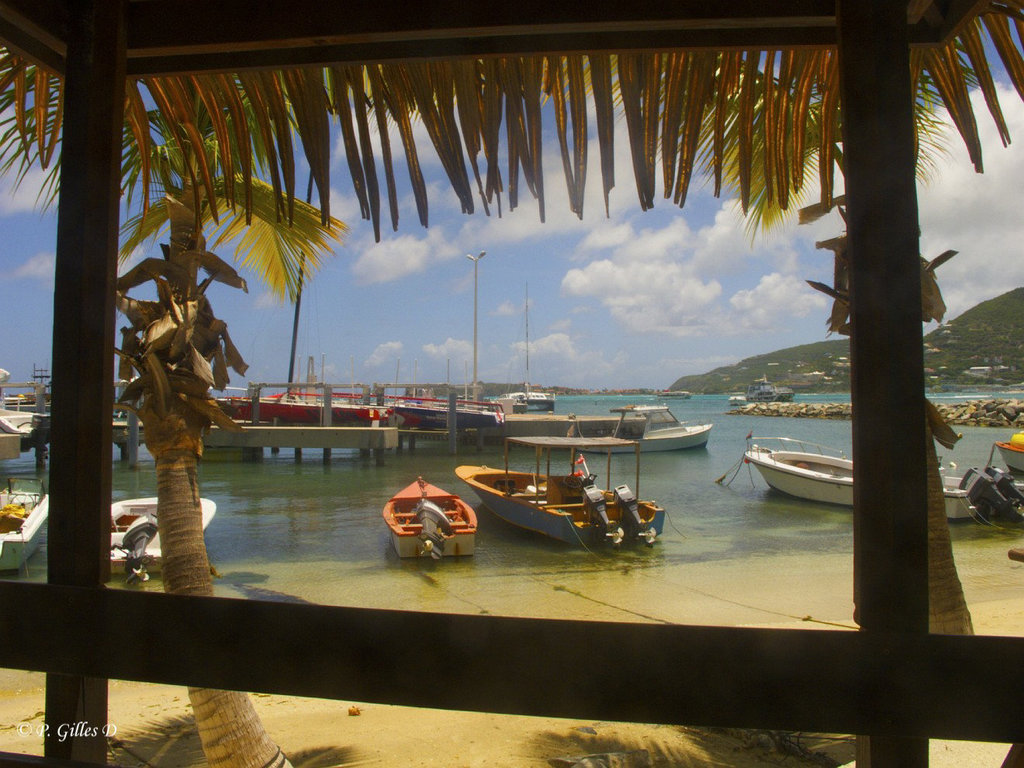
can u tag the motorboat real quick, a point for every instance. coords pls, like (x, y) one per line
(426, 521)
(304, 408)
(432, 413)
(568, 506)
(817, 473)
(763, 391)
(655, 428)
(1012, 451)
(135, 537)
(677, 394)
(532, 401)
(24, 507)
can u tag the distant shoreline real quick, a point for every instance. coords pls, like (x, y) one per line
(1001, 413)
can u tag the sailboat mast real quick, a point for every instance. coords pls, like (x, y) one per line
(526, 310)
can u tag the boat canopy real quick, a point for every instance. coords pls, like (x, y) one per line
(569, 442)
(545, 444)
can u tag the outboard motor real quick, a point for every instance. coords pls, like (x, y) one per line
(436, 527)
(1008, 488)
(134, 544)
(597, 511)
(984, 493)
(630, 514)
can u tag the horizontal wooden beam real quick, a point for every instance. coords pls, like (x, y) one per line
(811, 680)
(480, 47)
(167, 26)
(37, 30)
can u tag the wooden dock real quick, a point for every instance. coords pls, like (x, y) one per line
(252, 440)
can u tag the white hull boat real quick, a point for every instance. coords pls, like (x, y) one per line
(811, 472)
(134, 536)
(655, 428)
(25, 507)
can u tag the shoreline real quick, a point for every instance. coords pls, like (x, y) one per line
(1002, 413)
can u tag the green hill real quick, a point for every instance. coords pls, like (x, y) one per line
(988, 338)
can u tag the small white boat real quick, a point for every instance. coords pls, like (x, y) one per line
(134, 537)
(24, 507)
(655, 428)
(424, 520)
(816, 473)
(18, 422)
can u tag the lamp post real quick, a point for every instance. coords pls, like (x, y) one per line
(476, 263)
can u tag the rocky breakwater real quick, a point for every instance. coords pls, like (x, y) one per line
(1001, 412)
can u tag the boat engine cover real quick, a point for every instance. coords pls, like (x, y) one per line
(593, 500)
(629, 512)
(435, 526)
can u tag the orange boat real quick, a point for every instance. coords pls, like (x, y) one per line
(1013, 453)
(425, 520)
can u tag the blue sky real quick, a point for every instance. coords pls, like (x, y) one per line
(634, 299)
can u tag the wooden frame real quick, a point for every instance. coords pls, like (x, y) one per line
(892, 680)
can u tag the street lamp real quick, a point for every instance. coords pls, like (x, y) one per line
(476, 262)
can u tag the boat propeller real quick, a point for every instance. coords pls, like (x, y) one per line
(134, 544)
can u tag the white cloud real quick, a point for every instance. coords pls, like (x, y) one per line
(38, 267)
(451, 349)
(385, 353)
(22, 198)
(776, 298)
(977, 215)
(398, 257)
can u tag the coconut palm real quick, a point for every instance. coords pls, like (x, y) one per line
(174, 350)
(947, 609)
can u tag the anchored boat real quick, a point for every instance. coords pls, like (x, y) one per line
(655, 428)
(135, 538)
(424, 520)
(568, 506)
(24, 507)
(817, 473)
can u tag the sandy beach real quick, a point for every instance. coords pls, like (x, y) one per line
(154, 727)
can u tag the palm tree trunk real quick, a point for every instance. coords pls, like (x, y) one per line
(947, 609)
(230, 730)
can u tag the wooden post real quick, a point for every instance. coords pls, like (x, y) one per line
(453, 423)
(886, 347)
(78, 538)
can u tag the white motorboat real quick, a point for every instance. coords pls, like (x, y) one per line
(24, 507)
(816, 473)
(134, 536)
(655, 428)
(18, 422)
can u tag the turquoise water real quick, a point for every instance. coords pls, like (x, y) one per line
(730, 554)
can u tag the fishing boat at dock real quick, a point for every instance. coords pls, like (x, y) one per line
(298, 408)
(426, 521)
(569, 506)
(431, 413)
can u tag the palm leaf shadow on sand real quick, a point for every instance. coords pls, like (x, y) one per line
(675, 746)
(173, 742)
